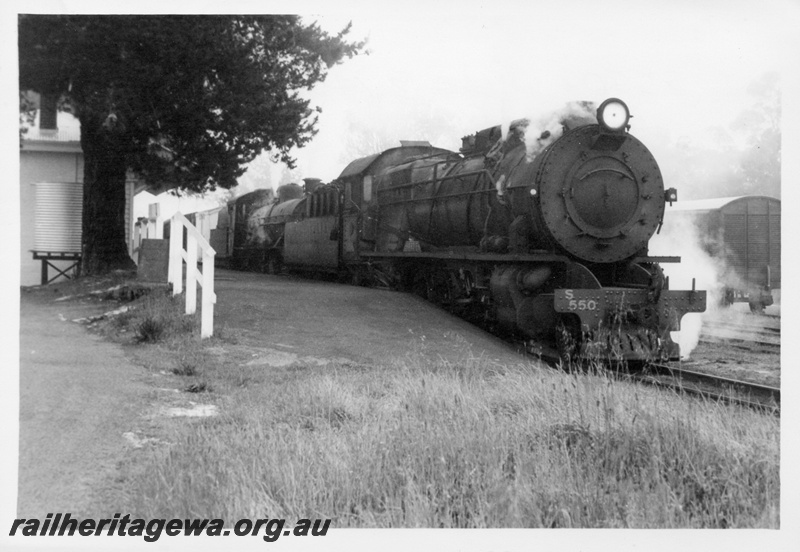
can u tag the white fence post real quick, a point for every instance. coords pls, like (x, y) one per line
(177, 254)
(155, 227)
(209, 298)
(175, 274)
(191, 273)
(137, 241)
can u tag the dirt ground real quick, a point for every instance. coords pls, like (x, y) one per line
(78, 395)
(84, 404)
(336, 321)
(738, 344)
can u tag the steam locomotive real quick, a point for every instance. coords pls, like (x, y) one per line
(538, 231)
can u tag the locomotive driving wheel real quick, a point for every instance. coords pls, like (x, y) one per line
(440, 290)
(433, 285)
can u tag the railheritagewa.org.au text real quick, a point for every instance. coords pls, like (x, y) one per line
(151, 530)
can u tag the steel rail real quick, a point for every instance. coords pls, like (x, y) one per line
(739, 343)
(718, 388)
(767, 396)
(744, 328)
(723, 397)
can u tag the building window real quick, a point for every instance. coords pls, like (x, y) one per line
(48, 112)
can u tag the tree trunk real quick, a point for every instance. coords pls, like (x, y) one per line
(104, 247)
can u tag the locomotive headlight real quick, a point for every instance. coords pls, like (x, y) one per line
(613, 115)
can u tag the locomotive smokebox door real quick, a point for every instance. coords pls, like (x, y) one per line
(600, 205)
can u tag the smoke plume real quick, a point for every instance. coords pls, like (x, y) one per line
(541, 130)
(679, 237)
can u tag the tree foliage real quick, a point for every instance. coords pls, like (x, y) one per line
(192, 98)
(183, 101)
(739, 157)
(761, 161)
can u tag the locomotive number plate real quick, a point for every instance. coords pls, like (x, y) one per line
(586, 303)
(579, 304)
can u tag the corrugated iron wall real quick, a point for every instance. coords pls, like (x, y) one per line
(58, 217)
(752, 230)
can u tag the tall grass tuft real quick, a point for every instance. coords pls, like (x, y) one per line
(150, 330)
(156, 317)
(465, 444)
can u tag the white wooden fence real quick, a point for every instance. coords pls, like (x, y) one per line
(178, 255)
(146, 228)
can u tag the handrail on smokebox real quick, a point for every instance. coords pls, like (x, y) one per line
(177, 256)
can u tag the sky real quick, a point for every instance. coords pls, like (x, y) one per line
(446, 69)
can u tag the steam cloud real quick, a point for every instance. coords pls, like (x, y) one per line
(679, 236)
(540, 131)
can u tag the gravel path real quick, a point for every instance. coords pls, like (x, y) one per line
(78, 394)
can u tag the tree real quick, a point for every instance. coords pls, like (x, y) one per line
(760, 164)
(742, 157)
(182, 101)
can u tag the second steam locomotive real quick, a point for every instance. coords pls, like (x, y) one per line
(538, 231)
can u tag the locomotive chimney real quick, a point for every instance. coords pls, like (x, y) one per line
(289, 191)
(311, 184)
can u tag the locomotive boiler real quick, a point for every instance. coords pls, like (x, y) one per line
(538, 231)
(257, 223)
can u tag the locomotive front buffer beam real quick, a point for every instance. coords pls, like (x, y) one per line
(609, 315)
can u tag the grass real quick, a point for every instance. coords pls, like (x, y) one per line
(423, 443)
(155, 317)
(420, 444)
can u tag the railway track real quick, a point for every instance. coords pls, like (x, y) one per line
(741, 335)
(767, 331)
(746, 327)
(716, 332)
(718, 388)
(740, 343)
(749, 337)
(764, 398)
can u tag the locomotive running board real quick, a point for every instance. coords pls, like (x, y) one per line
(467, 256)
(497, 257)
(639, 260)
